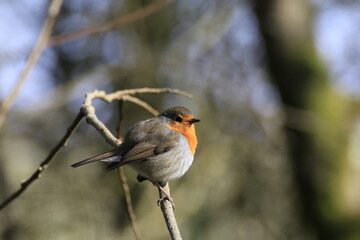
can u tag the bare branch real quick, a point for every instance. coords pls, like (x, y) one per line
(91, 118)
(169, 216)
(53, 12)
(128, 202)
(43, 165)
(113, 24)
(119, 128)
(118, 94)
(142, 104)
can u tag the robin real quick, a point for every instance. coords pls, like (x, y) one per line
(159, 149)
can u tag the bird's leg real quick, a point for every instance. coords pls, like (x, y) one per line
(167, 196)
(160, 187)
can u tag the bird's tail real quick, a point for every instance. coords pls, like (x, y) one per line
(111, 156)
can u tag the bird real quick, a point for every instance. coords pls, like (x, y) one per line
(160, 149)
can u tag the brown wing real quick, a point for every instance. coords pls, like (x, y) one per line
(139, 152)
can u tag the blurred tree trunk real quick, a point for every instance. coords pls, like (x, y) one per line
(318, 120)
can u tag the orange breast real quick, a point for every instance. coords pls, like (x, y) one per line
(188, 130)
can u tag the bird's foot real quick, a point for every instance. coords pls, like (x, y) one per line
(166, 197)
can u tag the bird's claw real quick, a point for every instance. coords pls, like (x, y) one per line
(168, 198)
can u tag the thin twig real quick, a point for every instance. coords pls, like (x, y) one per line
(169, 216)
(119, 128)
(43, 165)
(113, 24)
(142, 104)
(128, 202)
(53, 12)
(118, 94)
(92, 119)
(124, 184)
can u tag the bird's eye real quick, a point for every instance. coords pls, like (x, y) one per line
(179, 119)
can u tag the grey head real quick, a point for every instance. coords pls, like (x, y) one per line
(179, 114)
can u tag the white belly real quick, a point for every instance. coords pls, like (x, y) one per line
(167, 166)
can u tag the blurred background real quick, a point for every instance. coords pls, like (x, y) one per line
(275, 84)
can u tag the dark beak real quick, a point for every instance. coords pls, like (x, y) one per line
(194, 120)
